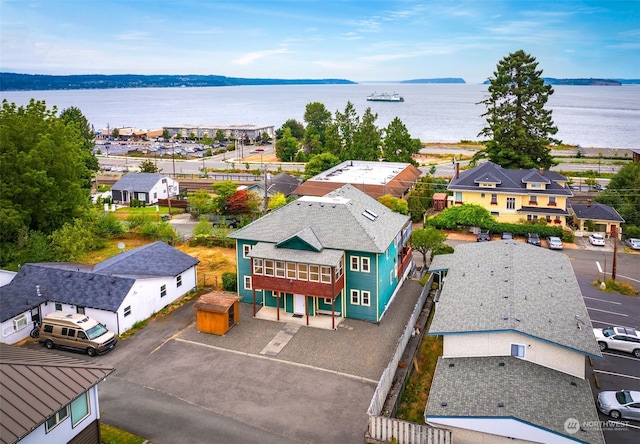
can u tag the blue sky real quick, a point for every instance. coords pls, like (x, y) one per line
(348, 39)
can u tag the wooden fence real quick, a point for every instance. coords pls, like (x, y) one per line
(386, 429)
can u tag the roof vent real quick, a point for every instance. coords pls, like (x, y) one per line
(501, 364)
(573, 383)
(451, 365)
(443, 404)
(501, 404)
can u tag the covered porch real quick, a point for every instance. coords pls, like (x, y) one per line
(319, 321)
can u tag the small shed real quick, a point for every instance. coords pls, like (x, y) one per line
(439, 201)
(217, 312)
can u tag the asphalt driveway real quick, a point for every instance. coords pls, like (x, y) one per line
(173, 384)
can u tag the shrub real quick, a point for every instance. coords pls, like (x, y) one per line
(230, 282)
(108, 226)
(138, 219)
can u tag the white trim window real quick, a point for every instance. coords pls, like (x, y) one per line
(303, 272)
(355, 297)
(246, 249)
(365, 298)
(365, 265)
(517, 350)
(79, 409)
(179, 281)
(20, 322)
(325, 275)
(292, 270)
(355, 263)
(57, 418)
(268, 267)
(327, 301)
(257, 266)
(247, 283)
(163, 291)
(314, 273)
(280, 269)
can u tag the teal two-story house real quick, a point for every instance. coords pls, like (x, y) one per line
(343, 255)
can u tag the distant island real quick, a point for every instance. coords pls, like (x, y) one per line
(37, 82)
(587, 82)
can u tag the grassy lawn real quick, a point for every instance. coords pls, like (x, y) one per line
(112, 435)
(416, 393)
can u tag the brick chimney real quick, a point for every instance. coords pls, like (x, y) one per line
(588, 202)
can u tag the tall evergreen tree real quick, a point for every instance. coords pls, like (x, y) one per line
(519, 128)
(367, 139)
(347, 123)
(398, 145)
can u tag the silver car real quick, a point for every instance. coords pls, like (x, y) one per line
(620, 404)
(554, 243)
(633, 243)
(618, 338)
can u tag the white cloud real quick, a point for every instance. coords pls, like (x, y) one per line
(252, 57)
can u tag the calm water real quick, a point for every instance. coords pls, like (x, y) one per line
(592, 116)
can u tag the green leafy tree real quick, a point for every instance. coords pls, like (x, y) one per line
(72, 241)
(165, 134)
(519, 127)
(147, 166)
(318, 164)
(425, 239)
(367, 139)
(287, 146)
(202, 202)
(43, 171)
(203, 228)
(73, 117)
(115, 133)
(623, 194)
(219, 135)
(467, 215)
(394, 204)
(224, 190)
(277, 200)
(317, 118)
(296, 128)
(398, 145)
(347, 124)
(420, 198)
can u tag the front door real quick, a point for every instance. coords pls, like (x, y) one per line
(298, 304)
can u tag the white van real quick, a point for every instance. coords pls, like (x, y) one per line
(76, 331)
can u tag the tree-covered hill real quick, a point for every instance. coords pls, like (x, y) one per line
(37, 82)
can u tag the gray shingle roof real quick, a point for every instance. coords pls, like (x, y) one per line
(530, 393)
(512, 286)
(104, 287)
(337, 220)
(509, 181)
(137, 182)
(596, 211)
(156, 259)
(34, 385)
(329, 258)
(283, 183)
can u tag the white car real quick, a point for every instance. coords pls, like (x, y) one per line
(596, 239)
(633, 243)
(618, 338)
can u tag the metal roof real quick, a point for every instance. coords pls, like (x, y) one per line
(34, 385)
(508, 285)
(499, 387)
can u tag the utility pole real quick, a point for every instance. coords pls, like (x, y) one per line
(266, 192)
(614, 235)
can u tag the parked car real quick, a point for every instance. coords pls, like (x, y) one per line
(598, 187)
(596, 239)
(620, 404)
(633, 243)
(554, 243)
(533, 239)
(618, 338)
(506, 236)
(484, 235)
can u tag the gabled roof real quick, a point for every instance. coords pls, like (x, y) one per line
(156, 259)
(102, 287)
(596, 211)
(34, 385)
(512, 286)
(489, 389)
(139, 182)
(283, 183)
(338, 221)
(510, 181)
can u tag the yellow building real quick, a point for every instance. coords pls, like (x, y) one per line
(512, 195)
